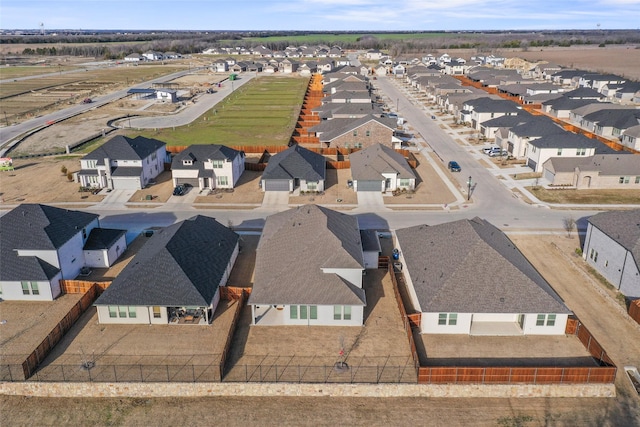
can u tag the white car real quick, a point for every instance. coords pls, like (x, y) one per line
(487, 150)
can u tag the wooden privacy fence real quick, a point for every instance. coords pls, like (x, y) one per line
(403, 313)
(82, 286)
(37, 356)
(634, 310)
(239, 295)
(510, 375)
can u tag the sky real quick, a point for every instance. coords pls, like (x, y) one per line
(321, 15)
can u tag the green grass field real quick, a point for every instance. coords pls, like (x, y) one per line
(262, 112)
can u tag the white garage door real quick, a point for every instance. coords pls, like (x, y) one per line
(129, 183)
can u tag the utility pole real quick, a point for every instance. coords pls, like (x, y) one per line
(469, 189)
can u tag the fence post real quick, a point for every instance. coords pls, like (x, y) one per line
(89, 371)
(276, 366)
(168, 376)
(10, 376)
(562, 376)
(62, 370)
(299, 378)
(535, 375)
(246, 373)
(260, 372)
(589, 376)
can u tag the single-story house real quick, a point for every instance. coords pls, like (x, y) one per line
(208, 166)
(612, 247)
(603, 171)
(123, 163)
(295, 167)
(467, 277)
(357, 133)
(381, 168)
(170, 95)
(175, 277)
(309, 270)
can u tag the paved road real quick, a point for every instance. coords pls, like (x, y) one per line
(9, 134)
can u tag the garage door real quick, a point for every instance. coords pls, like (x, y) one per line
(548, 175)
(532, 164)
(191, 181)
(369, 185)
(276, 185)
(130, 183)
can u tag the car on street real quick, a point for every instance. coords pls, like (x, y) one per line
(454, 166)
(496, 153)
(87, 101)
(179, 190)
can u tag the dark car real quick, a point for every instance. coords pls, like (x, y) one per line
(179, 190)
(454, 166)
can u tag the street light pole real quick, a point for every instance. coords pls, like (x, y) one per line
(469, 189)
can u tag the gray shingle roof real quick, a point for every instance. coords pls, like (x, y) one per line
(470, 266)
(295, 246)
(199, 154)
(371, 162)
(537, 126)
(566, 140)
(123, 148)
(623, 227)
(296, 162)
(180, 265)
(616, 164)
(36, 227)
(103, 238)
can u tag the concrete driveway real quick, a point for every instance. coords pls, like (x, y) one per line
(370, 201)
(275, 200)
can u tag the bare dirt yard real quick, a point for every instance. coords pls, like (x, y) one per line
(40, 180)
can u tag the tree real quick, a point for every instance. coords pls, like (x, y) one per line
(63, 169)
(70, 176)
(569, 225)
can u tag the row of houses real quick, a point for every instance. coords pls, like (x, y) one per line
(133, 163)
(151, 55)
(564, 158)
(310, 269)
(303, 51)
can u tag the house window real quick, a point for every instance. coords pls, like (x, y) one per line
(313, 312)
(358, 144)
(156, 312)
(368, 133)
(448, 319)
(623, 180)
(222, 180)
(303, 312)
(312, 185)
(637, 179)
(404, 182)
(355, 133)
(581, 151)
(25, 288)
(84, 234)
(337, 312)
(112, 311)
(122, 311)
(347, 312)
(593, 255)
(34, 288)
(341, 312)
(132, 312)
(30, 288)
(293, 312)
(187, 162)
(548, 319)
(217, 164)
(559, 151)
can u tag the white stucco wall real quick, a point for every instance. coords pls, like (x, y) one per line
(429, 324)
(529, 327)
(48, 291)
(275, 317)
(105, 257)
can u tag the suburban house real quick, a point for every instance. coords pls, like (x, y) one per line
(309, 270)
(467, 277)
(381, 168)
(208, 166)
(612, 247)
(357, 133)
(40, 245)
(489, 128)
(175, 278)
(134, 57)
(563, 144)
(104, 246)
(123, 163)
(611, 123)
(535, 127)
(153, 55)
(479, 110)
(295, 167)
(619, 170)
(631, 138)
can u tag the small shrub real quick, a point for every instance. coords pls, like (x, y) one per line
(578, 251)
(70, 176)
(63, 169)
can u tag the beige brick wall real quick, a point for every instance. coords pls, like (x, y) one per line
(311, 390)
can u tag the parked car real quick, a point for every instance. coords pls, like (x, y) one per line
(498, 152)
(179, 190)
(487, 150)
(87, 101)
(454, 166)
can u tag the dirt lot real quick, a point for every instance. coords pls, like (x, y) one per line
(620, 60)
(40, 180)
